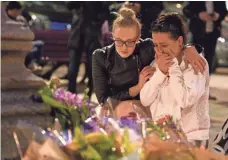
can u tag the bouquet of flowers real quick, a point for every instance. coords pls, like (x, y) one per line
(97, 145)
(164, 128)
(66, 106)
(167, 130)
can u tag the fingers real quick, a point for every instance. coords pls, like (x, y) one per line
(148, 69)
(147, 73)
(200, 66)
(203, 62)
(147, 77)
(157, 52)
(197, 66)
(145, 68)
(195, 70)
(171, 53)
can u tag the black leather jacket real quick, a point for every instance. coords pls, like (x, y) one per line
(114, 75)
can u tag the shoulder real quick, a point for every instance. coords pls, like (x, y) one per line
(146, 50)
(102, 54)
(99, 52)
(148, 43)
(146, 47)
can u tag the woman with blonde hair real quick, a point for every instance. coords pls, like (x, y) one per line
(121, 69)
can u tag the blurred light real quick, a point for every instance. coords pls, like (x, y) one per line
(68, 26)
(34, 17)
(178, 5)
(226, 5)
(221, 39)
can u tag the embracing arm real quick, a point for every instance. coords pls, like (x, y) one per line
(126, 94)
(189, 88)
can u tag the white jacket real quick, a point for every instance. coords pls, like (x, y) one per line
(184, 95)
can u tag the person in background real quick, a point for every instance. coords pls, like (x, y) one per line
(175, 89)
(205, 23)
(220, 143)
(85, 34)
(121, 69)
(13, 10)
(147, 12)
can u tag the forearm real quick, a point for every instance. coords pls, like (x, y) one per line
(135, 90)
(121, 95)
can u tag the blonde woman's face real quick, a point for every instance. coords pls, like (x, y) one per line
(125, 39)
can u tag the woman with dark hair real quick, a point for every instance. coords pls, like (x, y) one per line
(121, 69)
(174, 89)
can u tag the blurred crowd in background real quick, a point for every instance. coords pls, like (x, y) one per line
(68, 32)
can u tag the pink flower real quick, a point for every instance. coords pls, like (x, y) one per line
(67, 97)
(59, 94)
(77, 100)
(73, 99)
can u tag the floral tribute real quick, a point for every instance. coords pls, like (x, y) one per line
(66, 106)
(88, 136)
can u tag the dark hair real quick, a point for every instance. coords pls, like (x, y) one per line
(171, 23)
(13, 5)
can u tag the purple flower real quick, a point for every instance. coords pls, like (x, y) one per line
(72, 99)
(59, 94)
(91, 126)
(127, 122)
(77, 101)
(69, 97)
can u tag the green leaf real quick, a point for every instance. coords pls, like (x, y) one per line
(79, 137)
(75, 117)
(46, 91)
(128, 147)
(90, 154)
(86, 97)
(54, 103)
(63, 120)
(113, 157)
(84, 112)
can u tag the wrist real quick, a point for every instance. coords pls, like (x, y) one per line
(138, 87)
(193, 46)
(189, 45)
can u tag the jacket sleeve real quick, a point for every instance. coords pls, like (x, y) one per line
(122, 95)
(151, 88)
(100, 77)
(188, 88)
